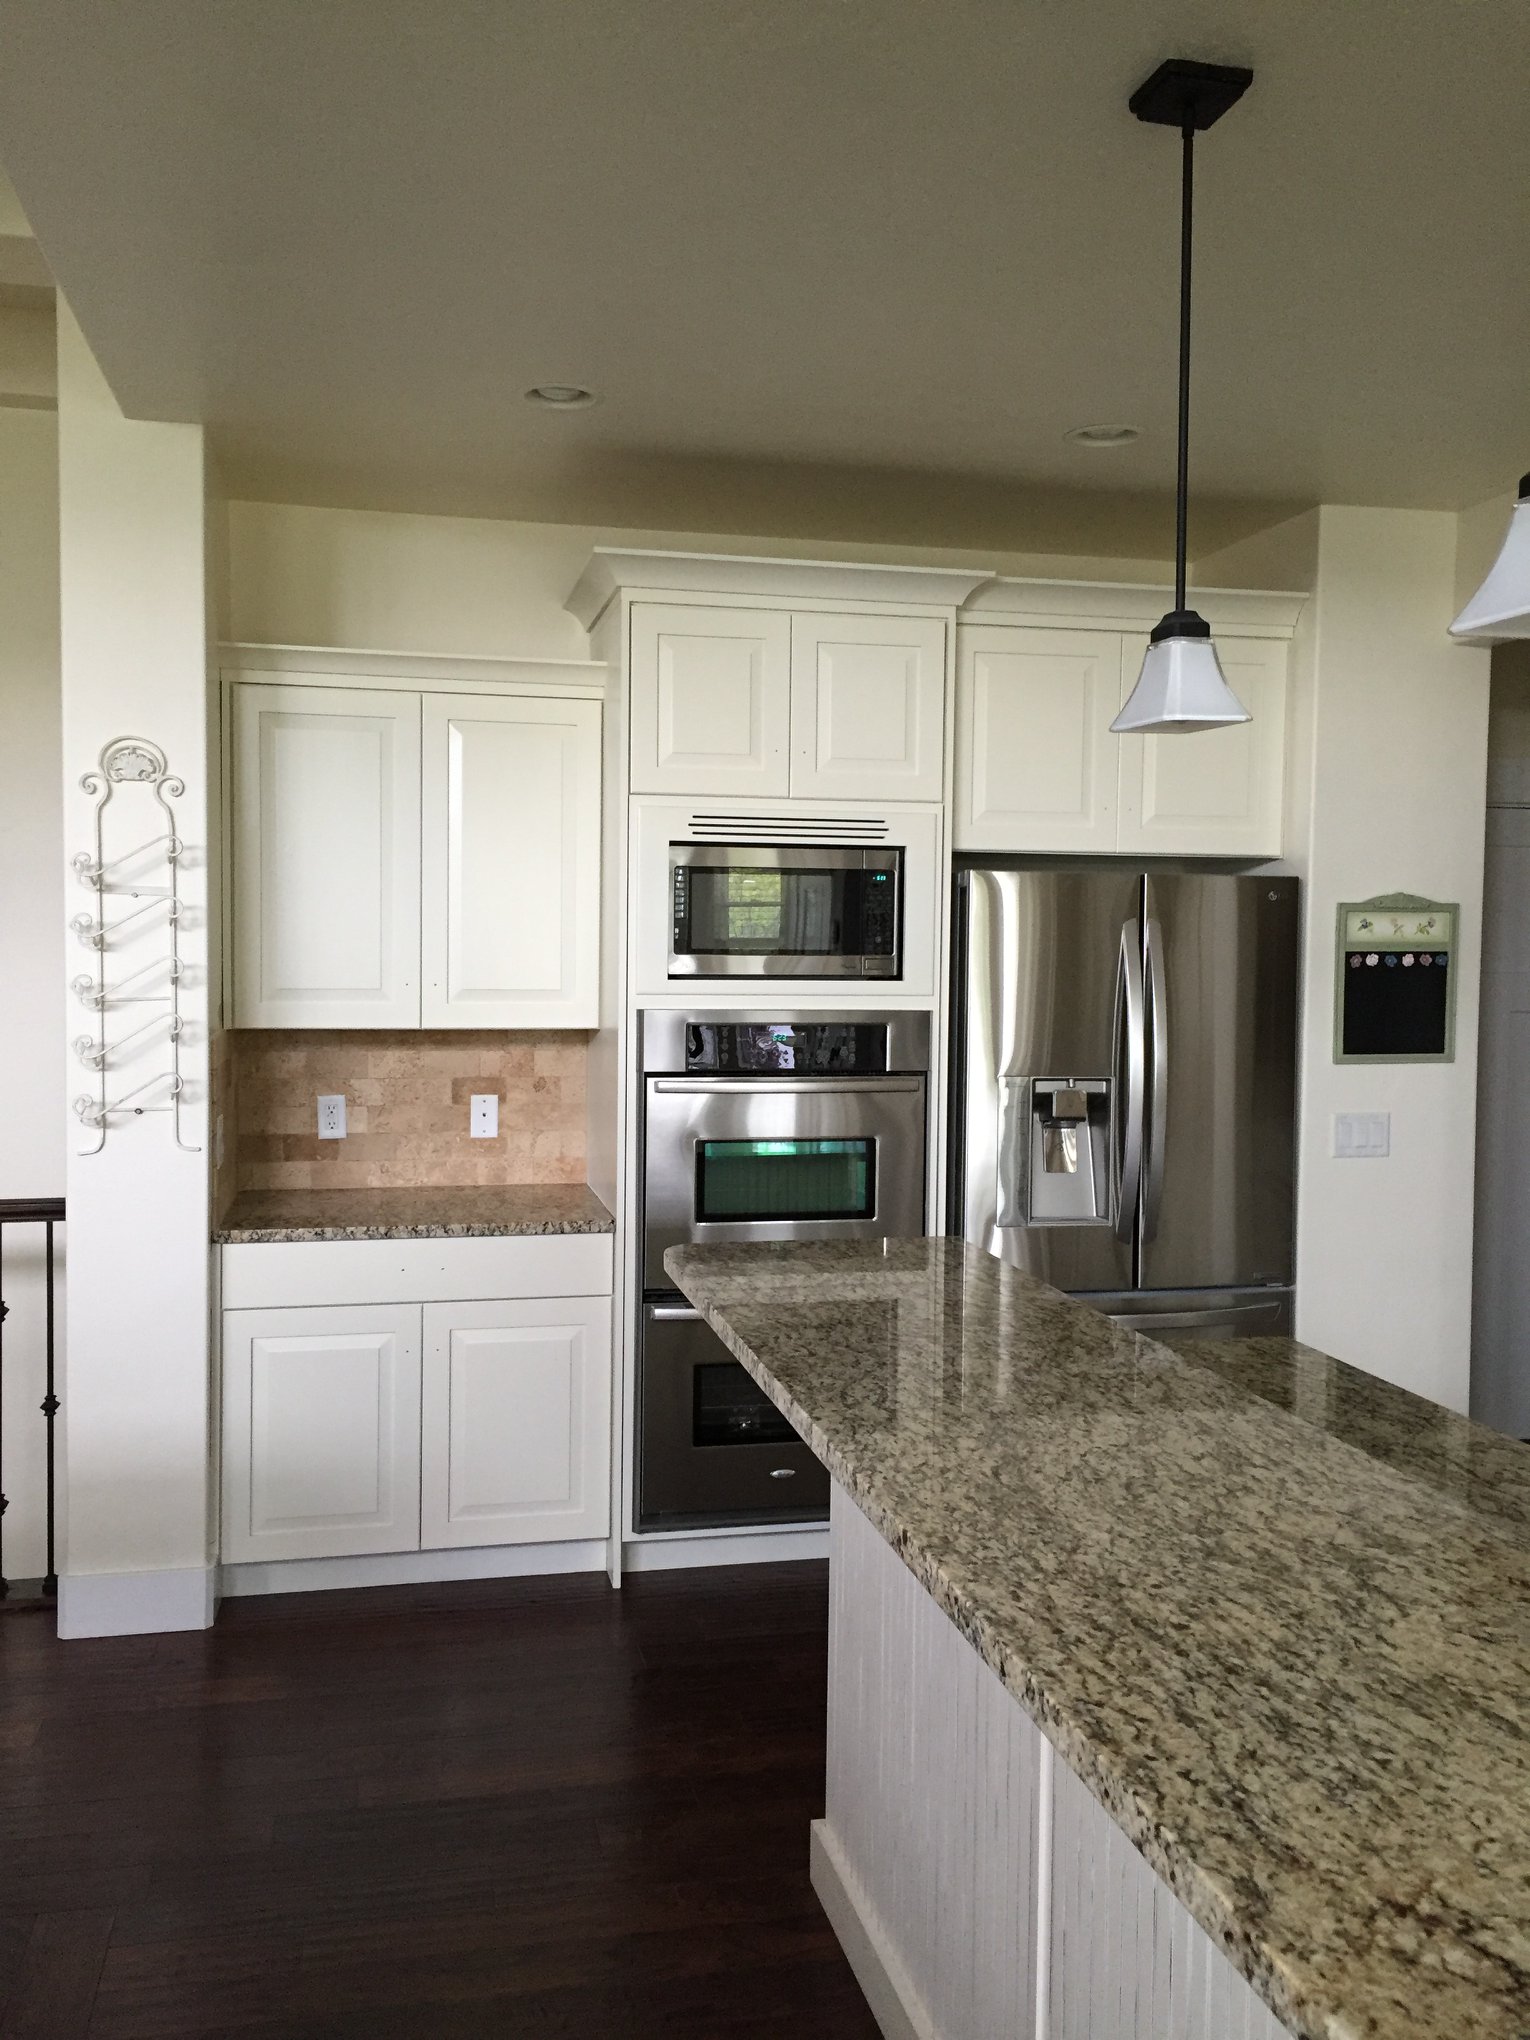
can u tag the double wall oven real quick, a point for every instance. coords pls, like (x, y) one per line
(759, 1127)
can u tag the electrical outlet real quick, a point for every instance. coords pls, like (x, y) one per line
(332, 1118)
(483, 1116)
(1362, 1136)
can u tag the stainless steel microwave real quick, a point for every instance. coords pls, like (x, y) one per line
(815, 910)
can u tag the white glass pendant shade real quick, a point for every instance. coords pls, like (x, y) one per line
(1181, 686)
(1500, 608)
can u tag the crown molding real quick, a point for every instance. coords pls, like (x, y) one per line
(613, 571)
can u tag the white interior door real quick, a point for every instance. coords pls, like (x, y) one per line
(326, 846)
(321, 1432)
(1216, 793)
(868, 707)
(711, 699)
(1036, 763)
(510, 862)
(516, 1421)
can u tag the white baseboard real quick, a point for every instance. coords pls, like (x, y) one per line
(137, 1603)
(754, 1547)
(884, 1983)
(415, 1568)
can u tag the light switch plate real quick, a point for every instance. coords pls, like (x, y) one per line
(1362, 1136)
(332, 1118)
(483, 1117)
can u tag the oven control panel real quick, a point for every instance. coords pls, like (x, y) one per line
(786, 1048)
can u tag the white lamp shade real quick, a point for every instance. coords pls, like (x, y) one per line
(1181, 688)
(1500, 609)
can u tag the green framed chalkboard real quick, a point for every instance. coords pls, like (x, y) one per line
(1395, 980)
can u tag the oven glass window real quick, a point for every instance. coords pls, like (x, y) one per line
(727, 1409)
(735, 910)
(738, 1181)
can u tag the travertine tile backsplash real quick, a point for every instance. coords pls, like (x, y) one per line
(406, 1096)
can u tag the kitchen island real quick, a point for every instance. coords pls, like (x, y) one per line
(1267, 1622)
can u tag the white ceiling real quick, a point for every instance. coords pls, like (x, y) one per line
(874, 255)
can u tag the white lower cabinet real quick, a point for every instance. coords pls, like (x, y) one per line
(515, 1421)
(321, 1432)
(358, 1428)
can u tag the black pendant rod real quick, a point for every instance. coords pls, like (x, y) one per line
(1186, 201)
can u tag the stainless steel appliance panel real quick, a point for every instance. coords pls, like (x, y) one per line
(711, 1446)
(1045, 990)
(780, 1158)
(1219, 971)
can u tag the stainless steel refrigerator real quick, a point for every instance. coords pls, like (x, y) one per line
(1124, 1089)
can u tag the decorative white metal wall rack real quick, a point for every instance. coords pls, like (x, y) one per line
(131, 762)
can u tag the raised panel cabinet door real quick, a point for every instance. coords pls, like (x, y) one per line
(868, 707)
(321, 1432)
(1036, 763)
(510, 862)
(325, 851)
(1216, 793)
(516, 1434)
(711, 699)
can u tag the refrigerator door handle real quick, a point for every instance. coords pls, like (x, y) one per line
(1130, 1077)
(1247, 1314)
(1158, 1091)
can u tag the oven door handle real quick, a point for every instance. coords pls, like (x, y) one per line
(673, 1314)
(790, 1087)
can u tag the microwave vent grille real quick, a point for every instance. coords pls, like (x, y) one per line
(789, 828)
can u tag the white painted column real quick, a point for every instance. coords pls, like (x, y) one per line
(1390, 746)
(137, 1392)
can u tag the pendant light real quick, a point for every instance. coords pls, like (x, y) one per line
(1182, 686)
(1500, 609)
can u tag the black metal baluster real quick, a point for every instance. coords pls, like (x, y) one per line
(5, 1586)
(47, 1212)
(50, 1414)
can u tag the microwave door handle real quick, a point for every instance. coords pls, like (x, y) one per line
(1130, 1078)
(1158, 1077)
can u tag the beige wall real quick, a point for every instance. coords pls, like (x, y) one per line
(131, 531)
(32, 953)
(1389, 766)
(383, 581)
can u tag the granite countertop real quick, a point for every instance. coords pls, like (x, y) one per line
(1275, 1613)
(489, 1211)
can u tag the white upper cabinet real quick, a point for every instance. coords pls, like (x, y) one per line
(711, 699)
(1218, 792)
(510, 857)
(1036, 762)
(326, 878)
(868, 707)
(1038, 769)
(516, 1421)
(321, 1427)
(774, 704)
(403, 856)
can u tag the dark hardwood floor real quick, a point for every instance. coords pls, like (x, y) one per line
(530, 1807)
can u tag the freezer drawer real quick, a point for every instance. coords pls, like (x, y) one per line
(1192, 1314)
(712, 1448)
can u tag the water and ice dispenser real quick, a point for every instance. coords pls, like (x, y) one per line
(1060, 1139)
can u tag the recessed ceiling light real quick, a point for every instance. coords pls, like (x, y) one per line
(1102, 435)
(560, 396)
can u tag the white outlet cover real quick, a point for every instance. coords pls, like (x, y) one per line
(332, 1117)
(483, 1116)
(1362, 1136)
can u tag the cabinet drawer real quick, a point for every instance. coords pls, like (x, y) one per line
(278, 1274)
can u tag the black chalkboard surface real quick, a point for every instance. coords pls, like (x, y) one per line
(1395, 989)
